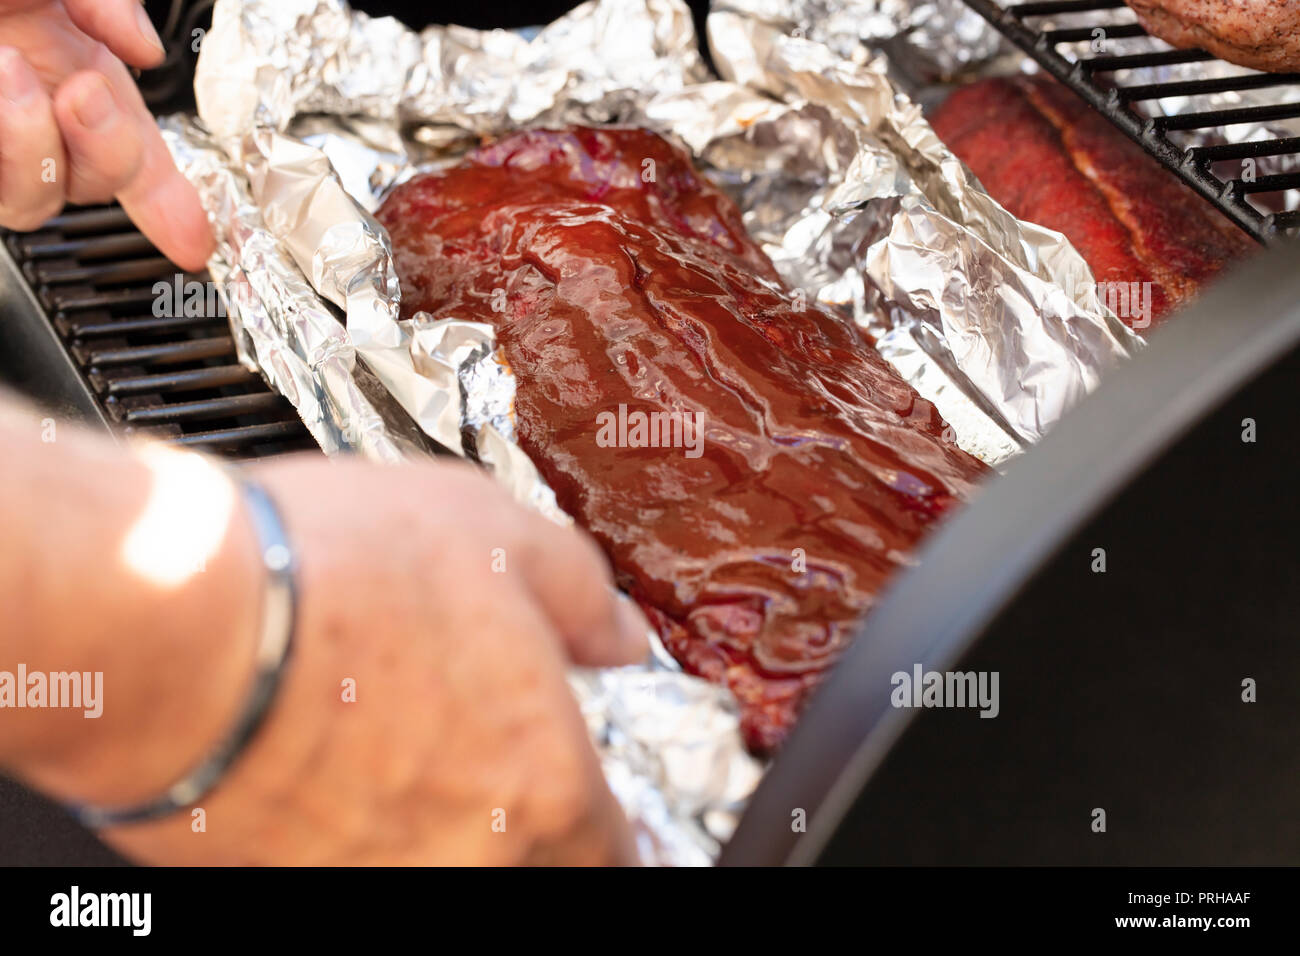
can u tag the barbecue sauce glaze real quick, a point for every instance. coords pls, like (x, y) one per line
(625, 283)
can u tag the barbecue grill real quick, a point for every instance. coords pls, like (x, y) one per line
(1146, 466)
(1030, 27)
(173, 377)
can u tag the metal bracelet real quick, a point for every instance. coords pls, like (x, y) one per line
(278, 614)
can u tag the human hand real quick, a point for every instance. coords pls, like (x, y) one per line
(74, 128)
(424, 715)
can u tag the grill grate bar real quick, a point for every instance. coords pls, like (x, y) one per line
(1268, 184)
(230, 405)
(167, 323)
(1083, 34)
(1249, 81)
(162, 354)
(82, 299)
(1287, 220)
(183, 381)
(1051, 7)
(1266, 147)
(1133, 61)
(39, 246)
(1234, 117)
(97, 219)
(1193, 165)
(241, 436)
(59, 272)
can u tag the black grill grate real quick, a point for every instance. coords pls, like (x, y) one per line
(1029, 27)
(170, 376)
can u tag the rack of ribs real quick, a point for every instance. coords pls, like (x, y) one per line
(800, 471)
(1049, 158)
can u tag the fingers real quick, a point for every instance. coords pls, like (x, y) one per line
(570, 579)
(103, 147)
(115, 149)
(556, 787)
(165, 206)
(563, 570)
(31, 153)
(121, 25)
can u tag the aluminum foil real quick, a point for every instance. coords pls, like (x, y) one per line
(940, 39)
(308, 112)
(1005, 313)
(282, 327)
(945, 40)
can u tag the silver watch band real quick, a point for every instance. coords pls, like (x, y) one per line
(278, 612)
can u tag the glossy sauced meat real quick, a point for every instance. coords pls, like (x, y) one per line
(1262, 34)
(624, 284)
(1049, 158)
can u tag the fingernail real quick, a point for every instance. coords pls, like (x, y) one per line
(632, 625)
(17, 83)
(94, 106)
(146, 28)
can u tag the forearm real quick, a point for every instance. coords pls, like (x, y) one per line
(137, 565)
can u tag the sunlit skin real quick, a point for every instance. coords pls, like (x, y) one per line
(185, 518)
(141, 563)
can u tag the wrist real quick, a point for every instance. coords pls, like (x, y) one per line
(170, 621)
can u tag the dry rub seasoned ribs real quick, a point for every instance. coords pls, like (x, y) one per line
(631, 288)
(1262, 34)
(1049, 158)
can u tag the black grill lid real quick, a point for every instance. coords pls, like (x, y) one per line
(1119, 690)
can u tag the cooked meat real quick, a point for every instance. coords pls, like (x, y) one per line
(623, 286)
(1049, 158)
(1262, 34)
